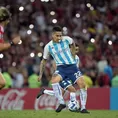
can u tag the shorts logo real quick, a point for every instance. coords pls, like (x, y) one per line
(52, 47)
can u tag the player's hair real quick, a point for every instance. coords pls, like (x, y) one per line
(56, 29)
(4, 14)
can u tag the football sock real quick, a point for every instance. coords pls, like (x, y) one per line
(58, 93)
(83, 98)
(49, 92)
(72, 96)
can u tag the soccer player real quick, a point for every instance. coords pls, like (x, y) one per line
(59, 48)
(5, 17)
(65, 85)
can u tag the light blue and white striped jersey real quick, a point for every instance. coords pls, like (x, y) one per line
(60, 51)
(77, 60)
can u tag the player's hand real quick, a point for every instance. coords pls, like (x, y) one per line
(39, 78)
(16, 40)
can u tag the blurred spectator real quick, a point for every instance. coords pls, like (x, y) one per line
(32, 81)
(108, 70)
(102, 64)
(9, 82)
(114, 81)
(103, 80)
(19, 80)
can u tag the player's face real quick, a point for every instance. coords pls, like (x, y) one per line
(56, 36)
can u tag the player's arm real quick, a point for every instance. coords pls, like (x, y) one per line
(43, 62)
(72, 45)
(72, 48)
(77, 60)
(4, 46)
(42, 67)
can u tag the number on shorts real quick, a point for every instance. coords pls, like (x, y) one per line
(78, 74)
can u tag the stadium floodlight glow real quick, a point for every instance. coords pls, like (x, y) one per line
(77, 15)
(1, 55)
(46, 0)
(14, 64)
(92, 40)
(54, 21)
(32, 54)
(8, 6)
(84, 31)
(39, 54)
(20, 42)
(91, 8)
(21, 8)
(41, 44)
(31, 26)
(42, 0)
(52, 13)
(32, 0)
(88, 5)
(29, 32)
(110, 42)
(65, 29)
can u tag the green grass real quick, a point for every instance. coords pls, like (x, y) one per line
(53, 114)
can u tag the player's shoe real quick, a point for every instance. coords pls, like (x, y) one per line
(77, 110)
(60, 107)
(41, 92)
(84, 111)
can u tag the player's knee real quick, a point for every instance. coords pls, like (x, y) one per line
(81, 82)
(71, 89)
(55, 80)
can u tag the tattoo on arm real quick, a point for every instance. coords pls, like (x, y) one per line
(42, 66)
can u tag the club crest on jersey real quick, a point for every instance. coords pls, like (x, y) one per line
(52, 47)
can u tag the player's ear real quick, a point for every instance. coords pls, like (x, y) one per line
(53, 35)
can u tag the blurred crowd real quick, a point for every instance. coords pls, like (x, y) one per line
(93, 24)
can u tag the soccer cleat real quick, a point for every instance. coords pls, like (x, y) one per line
(41, 92)
(84, 111)
(60, 107)
(77, 110)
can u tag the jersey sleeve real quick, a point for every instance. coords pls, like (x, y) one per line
(77, 60)
(69, 39)
(46, 52)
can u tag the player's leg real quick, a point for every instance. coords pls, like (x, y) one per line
(45, 91)
(2, 81)
(72, 91)
(66, 84)
(83, 93)
(57, 91)
(76, 77)
(48, 92)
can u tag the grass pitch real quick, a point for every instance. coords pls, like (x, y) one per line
(53, 114)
